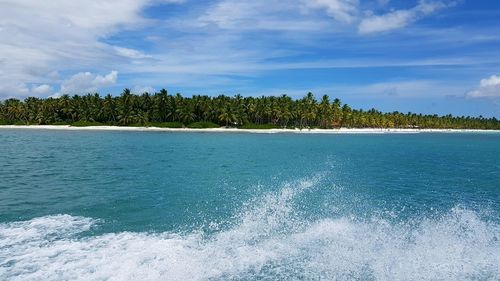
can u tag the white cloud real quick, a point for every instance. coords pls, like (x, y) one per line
(86, 82)
(131, 53)
(341, 10)
(143, 89)
(393, 20)
(400, 18)
(230, 13)
(293, 15)
(12, 89)
(41, 90)
(488, 88)
(297, 14)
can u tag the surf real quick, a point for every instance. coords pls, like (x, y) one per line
(267, 239)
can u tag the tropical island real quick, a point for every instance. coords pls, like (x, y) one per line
(163, 110)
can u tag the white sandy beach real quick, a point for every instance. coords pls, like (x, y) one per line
(259, 131)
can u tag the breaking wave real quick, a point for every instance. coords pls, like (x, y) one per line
(268, 240)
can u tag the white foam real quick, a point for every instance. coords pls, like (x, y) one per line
(268, 241)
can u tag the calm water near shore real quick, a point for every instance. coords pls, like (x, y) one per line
(97, 205)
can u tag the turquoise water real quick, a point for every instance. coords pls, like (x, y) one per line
(86, 205)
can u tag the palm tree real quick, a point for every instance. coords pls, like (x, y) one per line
(227, 116)
(346, 116)
(325, 112)
(185, 113)
(126, 111)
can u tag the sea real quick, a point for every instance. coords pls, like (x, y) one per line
(111, 205)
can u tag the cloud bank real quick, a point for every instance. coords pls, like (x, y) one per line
(86, 82)
(488, 88)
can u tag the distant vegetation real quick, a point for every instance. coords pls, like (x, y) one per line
(202, 125)
(175, 111)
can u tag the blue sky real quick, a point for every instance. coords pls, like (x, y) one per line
(428, 56)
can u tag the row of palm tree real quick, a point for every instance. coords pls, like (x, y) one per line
(282, 111)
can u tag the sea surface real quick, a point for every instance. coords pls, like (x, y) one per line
(95, 205)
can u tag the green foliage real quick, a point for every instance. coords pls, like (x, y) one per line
(166, 124)
(20, 123)
(60, 123)
(86, 124)
(134, 125)
(172, 111)
(202, 125)
(5, 122)
(259, 126)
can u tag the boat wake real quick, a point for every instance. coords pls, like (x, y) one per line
(268, 240)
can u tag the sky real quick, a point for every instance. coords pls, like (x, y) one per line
(423, 56)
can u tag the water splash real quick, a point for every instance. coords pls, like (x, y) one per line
(267, 240)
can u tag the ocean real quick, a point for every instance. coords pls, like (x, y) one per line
(110, 205)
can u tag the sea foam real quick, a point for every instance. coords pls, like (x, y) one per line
(267, 241)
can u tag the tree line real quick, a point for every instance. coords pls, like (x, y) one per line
(163, 109)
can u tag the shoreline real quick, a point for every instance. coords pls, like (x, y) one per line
(259, 131)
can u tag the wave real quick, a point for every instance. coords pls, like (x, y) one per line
(267, 240)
